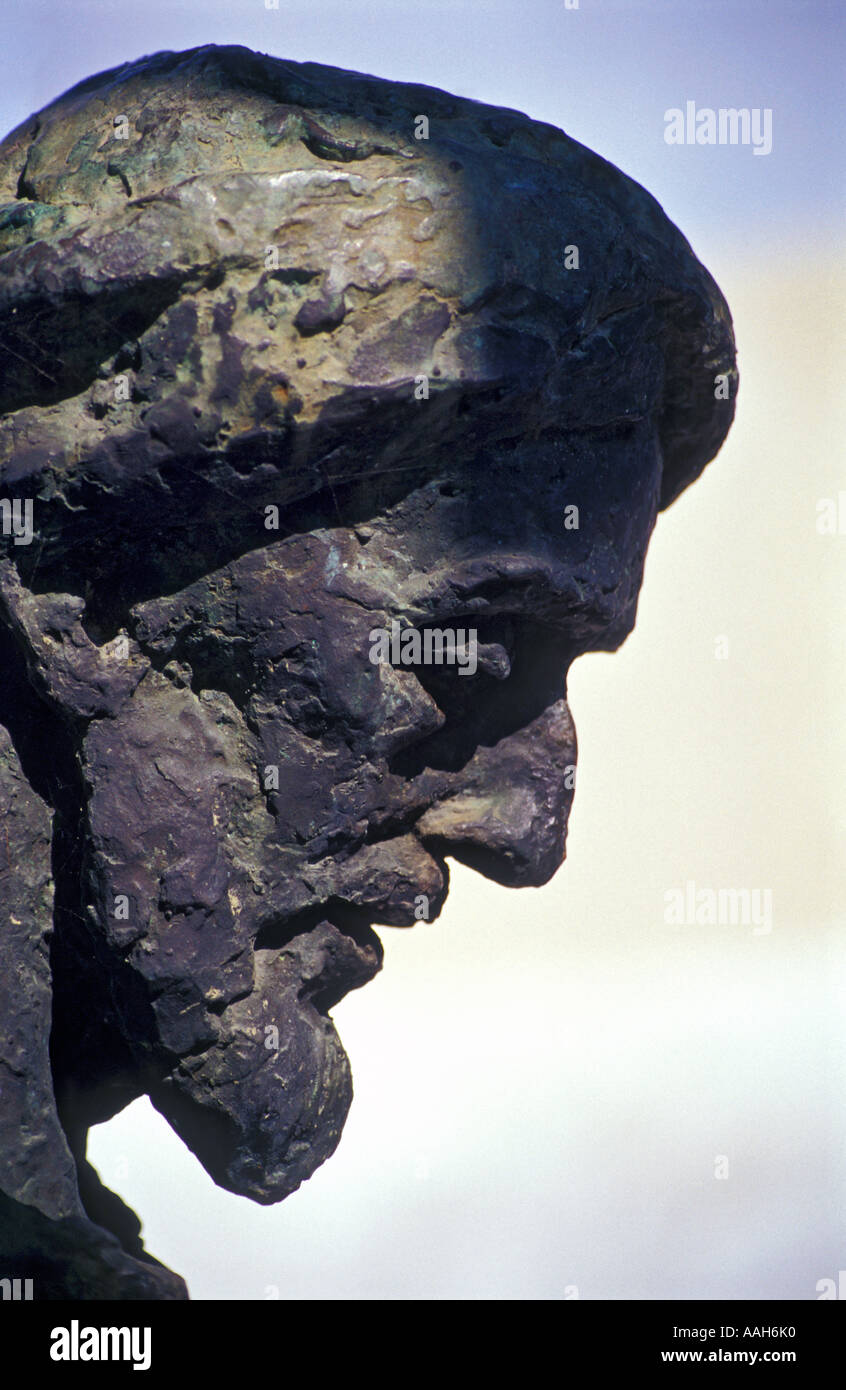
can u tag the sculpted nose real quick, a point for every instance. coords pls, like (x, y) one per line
(505, 813)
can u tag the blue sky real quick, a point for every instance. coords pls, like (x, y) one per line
(606, 73)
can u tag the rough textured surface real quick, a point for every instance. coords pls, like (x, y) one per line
(37, 1165)
(44, 1233)
(275, 373)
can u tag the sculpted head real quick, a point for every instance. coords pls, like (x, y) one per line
(282, 376)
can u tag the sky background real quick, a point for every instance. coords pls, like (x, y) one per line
(547, 1080)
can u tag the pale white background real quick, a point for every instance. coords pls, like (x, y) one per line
(545, 1079)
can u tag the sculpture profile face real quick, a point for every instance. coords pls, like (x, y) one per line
(271, 407)
(269, 790)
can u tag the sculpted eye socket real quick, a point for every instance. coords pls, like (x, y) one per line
(494, 660)
(456, 649)
(520, 671)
